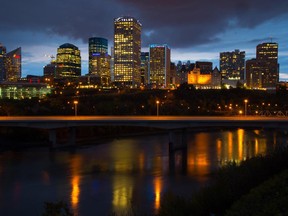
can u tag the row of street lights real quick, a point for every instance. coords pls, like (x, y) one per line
(76, 103)
(157, 105)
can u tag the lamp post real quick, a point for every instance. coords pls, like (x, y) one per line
(245, 101)
(75, 107)
(157, 104)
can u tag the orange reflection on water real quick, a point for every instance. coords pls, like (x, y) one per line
(141, 162)
(230, 146)
(240, 133)
(198, 160)
(75, 182)
(75, 191)
(157, 190)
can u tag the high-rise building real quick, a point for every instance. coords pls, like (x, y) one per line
(263, 72)
(159, 65)
(49, 70)
(97, 45)
(127, 51)
(68, 61)
(267, 54)
(232, 65)
(13, 65)
(254, 70)
(99, 60)
(144, 69)
(2, 62)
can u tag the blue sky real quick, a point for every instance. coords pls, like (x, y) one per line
(194, 30)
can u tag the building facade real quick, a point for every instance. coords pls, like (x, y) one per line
(2, 62)
(127, 51)
(18, 91)
(232, 65)
(159, 65)
(267, 55)
(99, 60)
(205, 67)
(144, 69)
(13, 65)
(263, 72)
(68, 61)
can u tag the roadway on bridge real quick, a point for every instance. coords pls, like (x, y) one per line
(168, 122)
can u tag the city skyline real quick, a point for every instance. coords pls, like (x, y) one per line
(195, 31)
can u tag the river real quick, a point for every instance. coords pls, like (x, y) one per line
(122, 174)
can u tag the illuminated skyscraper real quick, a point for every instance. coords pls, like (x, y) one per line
(68, 61)
(2, 62)
(232, 65)
(127, 51)
(159, 66)
(13, 65)
(263, 72)
(267, 54)
(99, 60)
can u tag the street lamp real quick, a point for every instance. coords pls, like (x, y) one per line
(75, 106)
(245, 101)
(157, 103)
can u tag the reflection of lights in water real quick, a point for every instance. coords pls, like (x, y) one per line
(75, 191)
(240, 133)
(141, 161)
(230, 145)
(256, 146)
(198, 162)
(122, 192)
(157, 191)
(75, 182)
(122, 197)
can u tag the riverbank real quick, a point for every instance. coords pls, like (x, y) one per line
(231, 183)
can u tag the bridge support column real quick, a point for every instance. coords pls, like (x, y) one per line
(72, 136)
(53, 138)
(171, 150)
(178, 148)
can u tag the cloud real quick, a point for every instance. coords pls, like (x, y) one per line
(181, 23)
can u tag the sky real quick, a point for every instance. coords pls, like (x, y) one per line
(195, 30)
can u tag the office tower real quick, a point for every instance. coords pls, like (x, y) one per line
(254, 70)
(99, 60)
(97, 45)
(50, 69)
(68, 61)
(112, 64)
(2, 62)
(232, 65)
(263, 72)
(205, 67)
(127, 51)
(144, 69)
(174, 78)
(159, 65)
(267, 54)
(13, 65)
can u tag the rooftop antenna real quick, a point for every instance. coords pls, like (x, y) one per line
(51, 56)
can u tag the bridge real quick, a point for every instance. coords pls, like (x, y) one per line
(52, 123)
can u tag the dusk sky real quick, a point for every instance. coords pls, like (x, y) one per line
(195, 30)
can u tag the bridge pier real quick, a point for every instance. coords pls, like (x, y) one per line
(53, 138)
(178, 148)
(71, 138)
